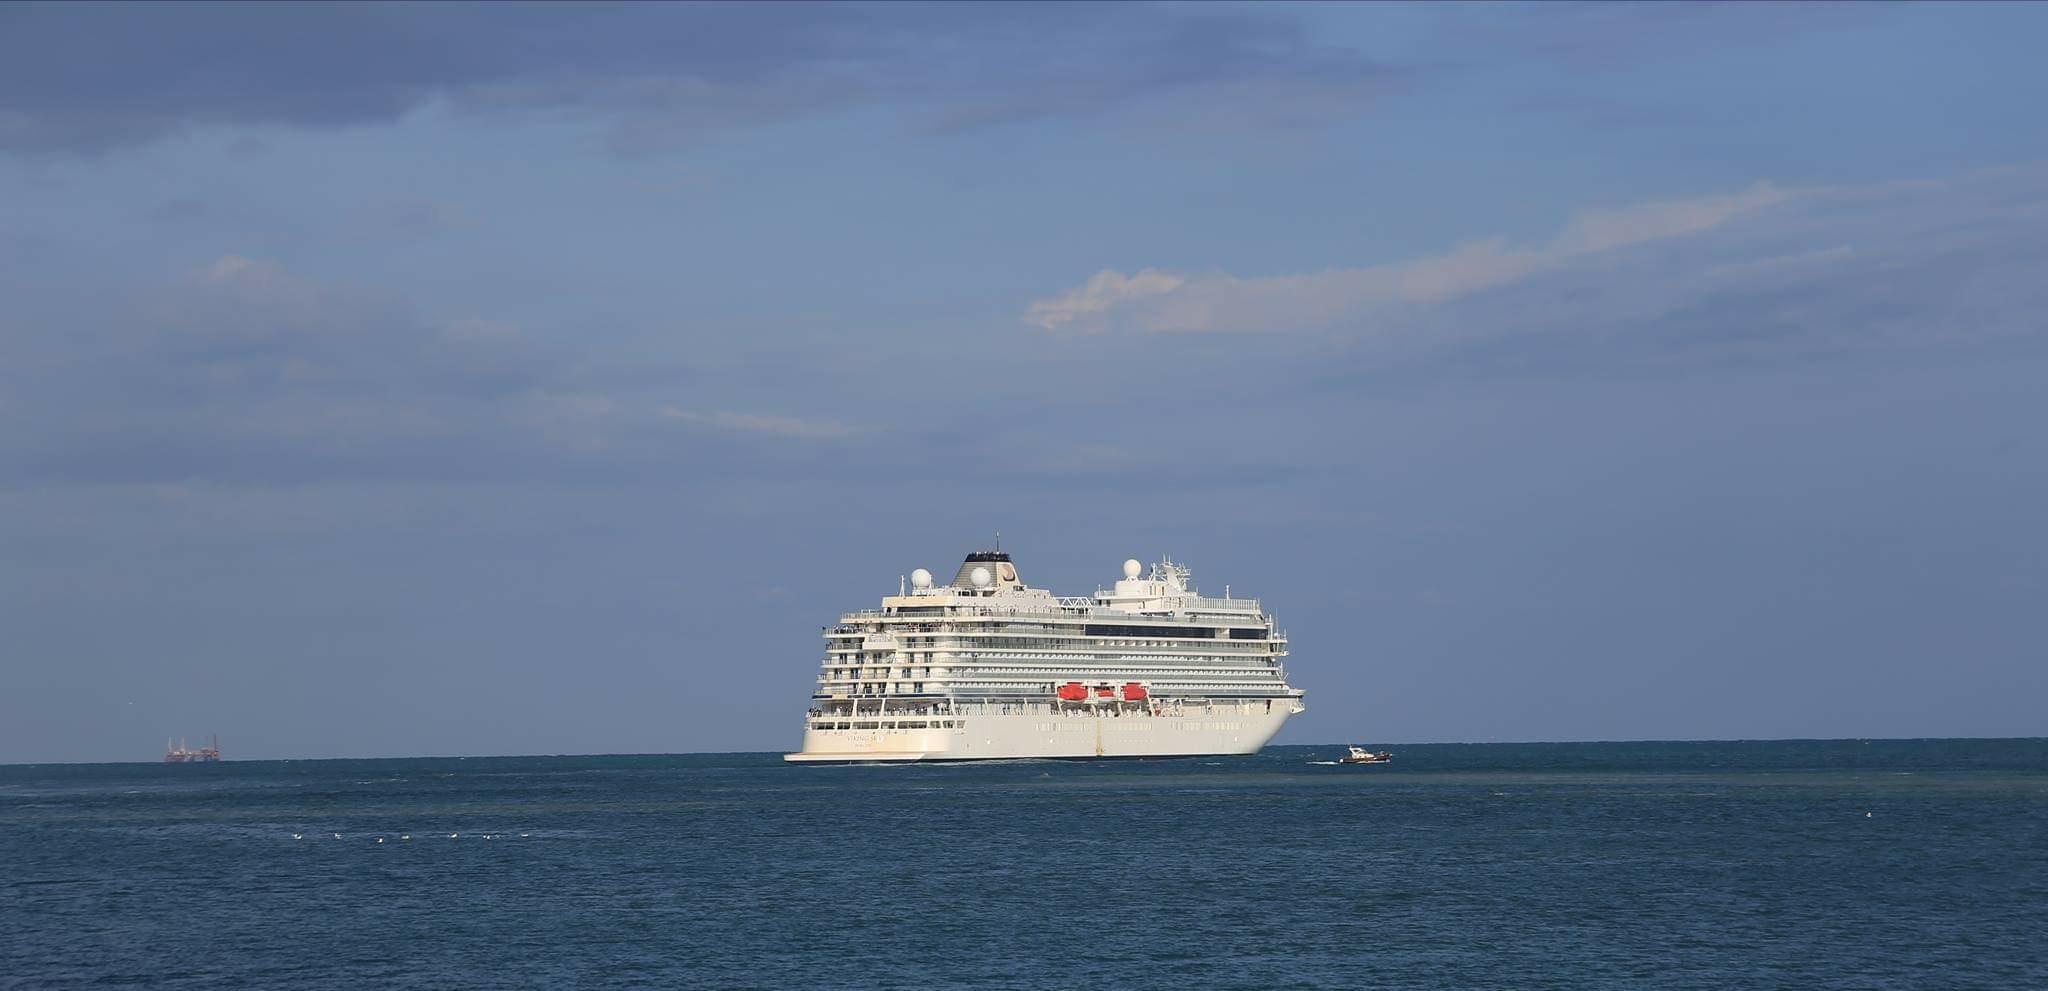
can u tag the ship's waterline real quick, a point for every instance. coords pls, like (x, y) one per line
(988, 668)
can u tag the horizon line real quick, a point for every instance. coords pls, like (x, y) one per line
(1282, 746)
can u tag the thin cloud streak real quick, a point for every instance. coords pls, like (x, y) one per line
(1166, 302)
(781, 426)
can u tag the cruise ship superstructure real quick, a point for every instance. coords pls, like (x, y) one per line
(988, 668)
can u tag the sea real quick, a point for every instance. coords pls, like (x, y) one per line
(1863, 864)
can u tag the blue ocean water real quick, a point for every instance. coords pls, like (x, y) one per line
(1836, 864)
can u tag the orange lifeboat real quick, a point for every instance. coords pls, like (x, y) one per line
(1134, 692)
(1072, 692)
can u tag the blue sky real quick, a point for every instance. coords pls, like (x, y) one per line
(465, 379)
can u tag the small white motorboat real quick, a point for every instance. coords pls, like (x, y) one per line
(1360, 755)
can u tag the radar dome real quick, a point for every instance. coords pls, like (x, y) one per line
(981, 578)
(920, 579)
(1132, 567)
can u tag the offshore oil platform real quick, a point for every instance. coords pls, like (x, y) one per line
(176, 753)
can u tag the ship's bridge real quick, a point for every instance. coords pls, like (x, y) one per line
(1166, 590)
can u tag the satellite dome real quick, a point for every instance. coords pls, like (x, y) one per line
(920, 579)
(1132, 567)
(981, 578)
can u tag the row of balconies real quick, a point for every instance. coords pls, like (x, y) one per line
(998, 629)
(1035, 679)
(1215, 609)
(1013, 642)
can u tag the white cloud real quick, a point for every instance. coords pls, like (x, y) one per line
(784, 426)
(1154, 300)
(1106, 291)
(1603, 230)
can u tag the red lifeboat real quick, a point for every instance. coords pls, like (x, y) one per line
(1072, 692)
(1134, 692)
(1105, 692)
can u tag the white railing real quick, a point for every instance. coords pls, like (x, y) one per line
(1069, 605)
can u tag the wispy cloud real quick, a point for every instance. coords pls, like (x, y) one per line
(1155, 300)
(1103, 293)
(782, 426)
(235, 270)
(1796, 261)
(1883, 271)
(247, 369)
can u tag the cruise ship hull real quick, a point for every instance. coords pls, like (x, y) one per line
(1041, 735)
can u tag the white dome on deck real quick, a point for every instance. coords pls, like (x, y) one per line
(1132, 567)
(920, 579)
(981, 578)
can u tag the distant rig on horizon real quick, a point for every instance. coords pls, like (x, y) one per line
(177, 754)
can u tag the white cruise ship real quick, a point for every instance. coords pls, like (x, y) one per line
(988, 668)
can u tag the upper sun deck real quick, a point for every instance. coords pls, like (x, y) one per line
(987, 585)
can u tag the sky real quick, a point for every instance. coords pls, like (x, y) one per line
(386, 380)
